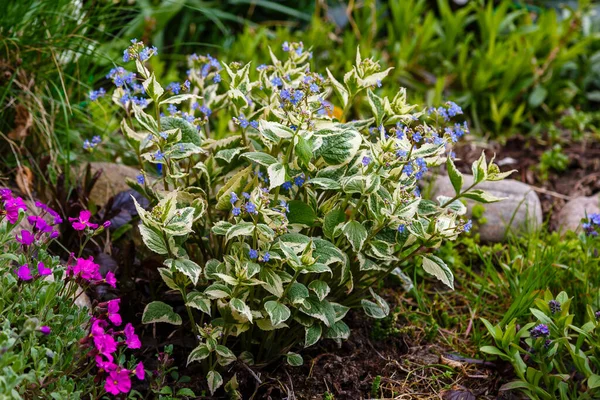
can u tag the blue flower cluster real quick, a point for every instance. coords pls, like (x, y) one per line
(137, 51)
(298, 181)
(592, 224)
(540, 330)
(96, 94)
(253, 254)
(204, 65)
(90, 145)
(244, 123)
(247, 206)
(127, 81)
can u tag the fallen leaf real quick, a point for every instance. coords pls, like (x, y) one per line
(24, 179)
(23, 121)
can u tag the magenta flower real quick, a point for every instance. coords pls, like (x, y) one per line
(57, 218)
(5, 194)
(83, 221)
(87, 269)
(45, 330)
(24, 273)
(12, 207)
(43, 271)
(106, 224)
(26, 238)
(131, 339)
(113, 312)
(54, 234)
(118, 382)
(110, 279)
(107, 366)
(139, 371)
(105, 344)
(39, 224)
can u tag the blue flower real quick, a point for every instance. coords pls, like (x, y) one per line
(299, 180)
(206, 111)
(126, 56)
(96, 94)
(539, 331)
(378, 83)
(401, 153)
(421, 163)
(453, 109)
(217, 78)
(251, 208)
(276, 81)
(554, 306)
(174, 87)
(253, 254)
(314, 87)
(254, 124)
(285, 46)
(366, 160)
(236, 211)
(285, 205)
(140, 179)
(417, 137)
(172, 109)
(286, 185)
(233, 197)
(468, 226)
(246, 195)
(187, 84)
(159, 155)
(285, 94)
(262, 67)
(408, 169)
(266, 257)
(401, 228)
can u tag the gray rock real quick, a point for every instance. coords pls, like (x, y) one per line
(111, 182)
(569, 217)
(521, 208)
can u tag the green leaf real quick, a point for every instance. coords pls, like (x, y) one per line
(217, 291)
(356, 234)
(537, 96)
(297, 293)
(339, 89)
(593, 381)
(226, 356)
(198, 301)
(320, 288)
(312, 334)
(153, 239)
(332, 219)
(492, 350)
(153, 88)
(274, 131)
(221, 227)
(263, 159)
(277, 312)
(377, 106)
(198, 354)
(303, 151)
(276, 174)
(239, 306)
(144, 119)
(481, 196)
(294, 359)
(240, 229)
(180, 223)
(377, 310)
(339, 330)
(479, 169)
(157, 311)
(438, 268)
(301, 213)
(322, 310)
(456, 177)
(272, 281)
(186, 267)
(215, 380)
(325, 183)
(180, 98)
(189, 134)
(339, 146)
(228, 155)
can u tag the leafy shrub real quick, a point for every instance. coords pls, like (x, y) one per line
(48, 345)
(552, 358)
(274, 232)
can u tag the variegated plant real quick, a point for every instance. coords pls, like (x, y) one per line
(273, 232)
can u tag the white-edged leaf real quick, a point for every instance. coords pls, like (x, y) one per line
(157, 311)
(437, 267)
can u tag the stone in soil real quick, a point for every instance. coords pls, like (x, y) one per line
(519, 213)
(112, 181)
(569, 217)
